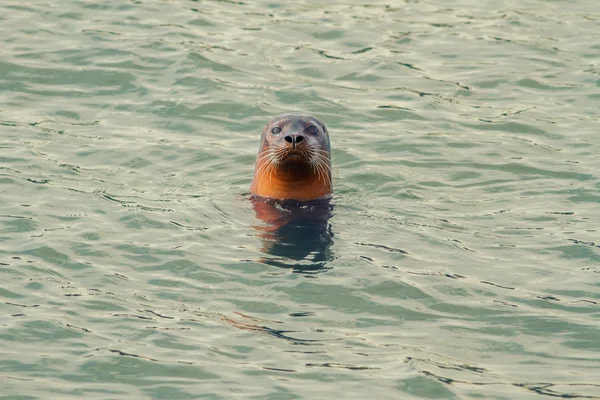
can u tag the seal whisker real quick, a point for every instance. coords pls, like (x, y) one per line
(323, 171)
(319, 169)
(315, 161)
(267, 166)
(267, 154)
(277, 154)
(272, 164)
(321, 164)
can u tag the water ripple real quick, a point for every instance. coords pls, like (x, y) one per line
(459, 258)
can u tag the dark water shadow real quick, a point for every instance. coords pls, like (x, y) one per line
(295, 234)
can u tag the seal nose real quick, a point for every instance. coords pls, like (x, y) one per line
(294, 138)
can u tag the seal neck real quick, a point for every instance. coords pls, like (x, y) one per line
(294, 181)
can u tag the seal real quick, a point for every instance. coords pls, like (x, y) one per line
(294, 160)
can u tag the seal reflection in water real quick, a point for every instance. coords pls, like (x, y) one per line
(291, 192)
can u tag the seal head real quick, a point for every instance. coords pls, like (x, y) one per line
(294, 160)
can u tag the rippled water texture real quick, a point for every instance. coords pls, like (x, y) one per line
(462, 257)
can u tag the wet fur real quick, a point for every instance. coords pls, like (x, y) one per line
(302, 172)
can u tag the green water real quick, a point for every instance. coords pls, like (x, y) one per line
(463, 260)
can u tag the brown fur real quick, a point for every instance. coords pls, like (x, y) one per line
(286, 169)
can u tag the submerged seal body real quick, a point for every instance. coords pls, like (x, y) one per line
(294, 160)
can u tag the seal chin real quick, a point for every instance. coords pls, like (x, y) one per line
(294, 156)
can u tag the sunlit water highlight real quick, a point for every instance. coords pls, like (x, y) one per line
(461, 259)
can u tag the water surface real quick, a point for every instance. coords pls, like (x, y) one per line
(462, 257)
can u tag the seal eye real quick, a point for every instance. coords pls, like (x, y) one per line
(276, 130)
(312, 130)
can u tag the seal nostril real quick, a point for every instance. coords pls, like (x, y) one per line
(299, 139)
(288, 139)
